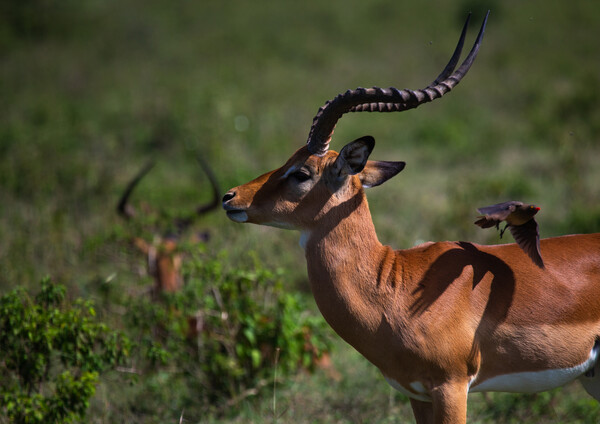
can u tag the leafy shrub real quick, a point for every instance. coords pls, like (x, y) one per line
(52, 355)
(220, 338)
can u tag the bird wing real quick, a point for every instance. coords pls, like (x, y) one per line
(499, 211)
(494, 214)
(527, 237)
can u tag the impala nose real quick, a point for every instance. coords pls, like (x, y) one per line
(228, 196)
(234, 213)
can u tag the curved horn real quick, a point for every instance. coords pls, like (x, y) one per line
(123, 207)
(182, 224)
(391, 99)
(216, 199)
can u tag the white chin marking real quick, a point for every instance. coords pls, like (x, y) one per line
(237, 216)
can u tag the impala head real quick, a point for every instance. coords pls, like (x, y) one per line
(297, 195)
(315, 179)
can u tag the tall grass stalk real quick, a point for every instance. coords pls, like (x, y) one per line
(275, 385)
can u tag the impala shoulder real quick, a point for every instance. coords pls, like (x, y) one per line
(431, 247)
(426, 253)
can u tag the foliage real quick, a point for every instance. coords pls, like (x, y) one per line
(91, 89)
(222, 337)
(52, 355)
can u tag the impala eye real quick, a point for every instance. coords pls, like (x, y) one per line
(301, 175)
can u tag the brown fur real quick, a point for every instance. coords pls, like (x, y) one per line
(441, 314)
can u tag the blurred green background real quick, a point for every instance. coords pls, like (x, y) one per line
(91, 90)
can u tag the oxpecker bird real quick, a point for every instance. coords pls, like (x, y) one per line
(519, 220)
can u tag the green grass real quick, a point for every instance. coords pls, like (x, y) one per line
(363, 396)
(92, 90)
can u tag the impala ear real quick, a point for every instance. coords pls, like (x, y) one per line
(353, 157)
(378, 172)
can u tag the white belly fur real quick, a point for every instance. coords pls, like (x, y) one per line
(519, 382)
(538, 381)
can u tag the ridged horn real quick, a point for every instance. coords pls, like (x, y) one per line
(391, 99)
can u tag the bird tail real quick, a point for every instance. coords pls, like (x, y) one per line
(485, 222)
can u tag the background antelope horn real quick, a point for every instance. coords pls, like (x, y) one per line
(123, 207)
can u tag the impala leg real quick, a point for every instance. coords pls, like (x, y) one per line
(450, 403)
(423, 411)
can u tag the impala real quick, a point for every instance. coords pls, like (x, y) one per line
(163, 259)
(441, 319)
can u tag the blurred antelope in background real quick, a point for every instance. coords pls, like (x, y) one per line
(163, 259)
(441, 319)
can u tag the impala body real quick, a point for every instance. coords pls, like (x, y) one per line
(441, 319)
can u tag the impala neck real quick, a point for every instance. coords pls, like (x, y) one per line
(345, 262)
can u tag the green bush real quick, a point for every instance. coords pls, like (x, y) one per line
(53, 353)
(222, 337)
